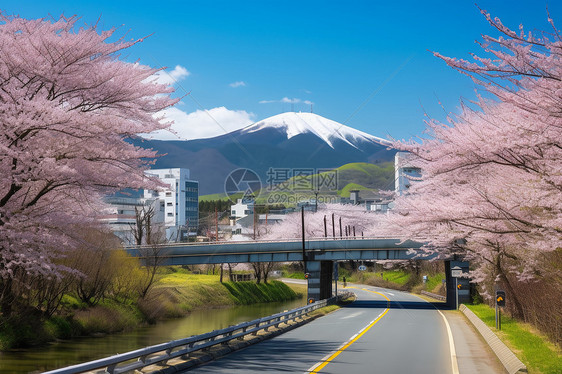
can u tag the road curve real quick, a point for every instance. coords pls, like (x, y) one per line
(384, 331)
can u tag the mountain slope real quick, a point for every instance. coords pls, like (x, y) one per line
(284, 142)
(293, 124)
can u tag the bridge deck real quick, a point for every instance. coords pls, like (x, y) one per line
(279, 251)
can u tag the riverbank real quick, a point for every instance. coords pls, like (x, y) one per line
(176, 293)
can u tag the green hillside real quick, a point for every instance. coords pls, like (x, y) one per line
(344, 192)
(354, 176)
(370, 176)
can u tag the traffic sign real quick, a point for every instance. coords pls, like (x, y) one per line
(362, 268)
(456, 272)
(500, 298)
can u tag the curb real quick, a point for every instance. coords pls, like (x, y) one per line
(508, 359)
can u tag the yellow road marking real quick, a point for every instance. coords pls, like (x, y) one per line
(319, 366)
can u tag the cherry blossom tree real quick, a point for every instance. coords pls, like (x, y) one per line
(492, 176)
(352, 217)
(68, 104)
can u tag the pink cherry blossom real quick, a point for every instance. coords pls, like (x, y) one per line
(68, 104)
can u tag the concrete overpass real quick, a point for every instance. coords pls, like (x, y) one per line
(320, 257)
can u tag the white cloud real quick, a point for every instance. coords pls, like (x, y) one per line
(170, 77)
(287, 100)
(238, 84)
(290, 101)
(202, 123)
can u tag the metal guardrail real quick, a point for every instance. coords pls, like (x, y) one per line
(434, 295)
(161, 353)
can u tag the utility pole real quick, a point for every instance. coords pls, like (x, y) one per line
(325, 227)
(316, 201)
(333, 226)
(341, 236)
(303, 245)
(254, 213)
(216, 225)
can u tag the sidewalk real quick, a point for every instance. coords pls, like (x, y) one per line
(473, 353)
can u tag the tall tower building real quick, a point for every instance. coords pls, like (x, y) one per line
(180, 202)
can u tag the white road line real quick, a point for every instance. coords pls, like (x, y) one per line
(454, 362)
(352, 315)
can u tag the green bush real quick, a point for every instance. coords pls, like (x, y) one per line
(60, 327)
(22, 332)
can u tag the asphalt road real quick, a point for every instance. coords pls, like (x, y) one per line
(383, 331)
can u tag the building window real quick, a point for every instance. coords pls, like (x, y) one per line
(168, 194)
(170, 214)
(169, 204)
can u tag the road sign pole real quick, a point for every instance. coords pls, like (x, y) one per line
(500, 301)
(456, 293)
(496, 313)
(336, 275)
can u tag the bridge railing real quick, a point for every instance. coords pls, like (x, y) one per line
(161, 353)
(308, 239)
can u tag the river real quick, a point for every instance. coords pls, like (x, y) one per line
(67, 353)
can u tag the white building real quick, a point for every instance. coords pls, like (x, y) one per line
(122, 212)
(242, 209)
(405, 172)
(180, 202)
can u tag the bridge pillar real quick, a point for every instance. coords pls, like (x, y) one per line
(319, 279)
(464, 291)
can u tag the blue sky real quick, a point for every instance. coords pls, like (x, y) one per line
(365, 64)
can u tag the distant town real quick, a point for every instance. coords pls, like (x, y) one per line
(174, 214)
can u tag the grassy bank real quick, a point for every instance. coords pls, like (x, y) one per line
(399, 280)
(176, 293)
(533, 348)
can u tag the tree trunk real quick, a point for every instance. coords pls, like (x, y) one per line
(257, 271)
(6, 297)
(516, 308)
(230, 272)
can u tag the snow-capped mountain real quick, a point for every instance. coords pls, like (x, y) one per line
(294, 124)
(288, 141)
